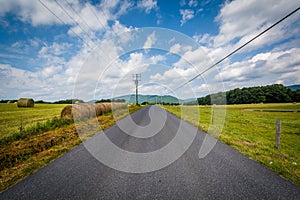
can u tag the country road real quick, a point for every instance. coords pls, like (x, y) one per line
(223, 174)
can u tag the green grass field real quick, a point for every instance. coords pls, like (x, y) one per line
(12, 117)
(45, 137)
(251, 130)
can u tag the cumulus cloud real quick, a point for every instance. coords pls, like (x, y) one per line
(276, 65)
(175, 48)
(193, 3)
(84, 18)
(44, 84)
(239, 22)
(55, 49)
(196, 58)
(97, 71)
(50, 71)
(30, 11)
(148, 5)
(151, 39)
(187, 14)
(240, 18)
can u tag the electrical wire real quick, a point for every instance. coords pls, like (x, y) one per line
(74, 11)
(239, 48)
(65, 11)
(96, 15)
(45, 6)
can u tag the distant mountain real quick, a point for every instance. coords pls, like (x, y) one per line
(92, 101)
(294, 87)
(190, 100)
(150, 99)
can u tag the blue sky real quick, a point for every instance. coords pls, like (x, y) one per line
(90, 49)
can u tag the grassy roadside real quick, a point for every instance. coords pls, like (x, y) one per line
(23, 156)
(251, 130)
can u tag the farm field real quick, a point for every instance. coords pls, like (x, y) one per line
(45, 137)
(251, 130)
(12, 117)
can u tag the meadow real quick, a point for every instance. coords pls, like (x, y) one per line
(32, 137)
(251, 129)
(12, 118)
(248, 128)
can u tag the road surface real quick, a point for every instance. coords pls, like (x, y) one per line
(223, 174)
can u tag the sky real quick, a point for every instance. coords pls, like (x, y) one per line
(63, 49)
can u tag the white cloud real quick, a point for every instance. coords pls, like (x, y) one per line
(180, 49)
(187, 14)
(148, 5)
(193, 3)
(85, 19)
(50, 71)
(182, 3)
(175, 77)
(151, 39)
(264, 68)
(156, 59)
(118, 30)
(175, 48)
(238, 21)
(197, 58)
(32, 11)
(55, 49)
(45, 84)
(204, 39)
(243, 17)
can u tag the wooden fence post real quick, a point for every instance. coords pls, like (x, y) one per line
(278, 132)
(212, 117)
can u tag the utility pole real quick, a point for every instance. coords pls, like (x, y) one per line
(136, 78)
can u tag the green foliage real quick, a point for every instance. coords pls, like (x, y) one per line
(68, 101)
(103, 101)
(41, 101)
(5, 101)
(265, 94)
(145, 103)
(296, 96)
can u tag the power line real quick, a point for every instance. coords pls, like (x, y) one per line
(65, 11)
(96, 15)
(74, 11)
(45, 6)
(239, 48)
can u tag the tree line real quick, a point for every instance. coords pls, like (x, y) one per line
(276, 93)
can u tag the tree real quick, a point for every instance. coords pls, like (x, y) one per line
(267, 94)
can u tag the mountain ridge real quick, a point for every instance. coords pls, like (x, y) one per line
(150, 99)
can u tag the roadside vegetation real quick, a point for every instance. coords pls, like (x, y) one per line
(276, 93)
(30, 138)
(251, 128)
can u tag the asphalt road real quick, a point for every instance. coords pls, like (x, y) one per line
(223, 174)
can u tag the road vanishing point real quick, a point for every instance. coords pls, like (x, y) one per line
(223, 174)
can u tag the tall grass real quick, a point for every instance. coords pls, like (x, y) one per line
(252, 133)
(36, 128)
